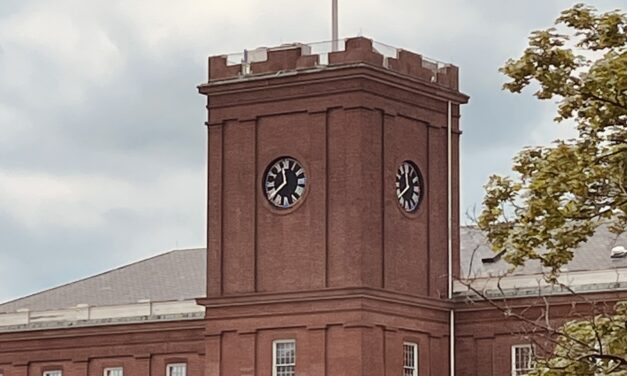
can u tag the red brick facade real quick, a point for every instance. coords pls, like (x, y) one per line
(346, 272)
(142, 349)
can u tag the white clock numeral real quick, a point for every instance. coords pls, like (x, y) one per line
(285, 182)
(408, 184)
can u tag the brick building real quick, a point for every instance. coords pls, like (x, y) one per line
(333, 241)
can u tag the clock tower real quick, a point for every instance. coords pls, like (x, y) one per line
(329, 180)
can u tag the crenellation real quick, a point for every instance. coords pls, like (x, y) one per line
(219, 69)
(411, 64)
(308, 61)
(448, 76)
(281, 59)
(358, 50)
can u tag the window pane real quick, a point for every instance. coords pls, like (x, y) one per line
(410, 359)
(52, 373)
(521, 362)
(285, 353)
(285, 371)
(284, 361)
(114, 372)
(177, 369)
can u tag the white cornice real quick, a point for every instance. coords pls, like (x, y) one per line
(84, 315)
(525, 285)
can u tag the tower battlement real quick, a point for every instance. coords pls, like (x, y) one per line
(358, 50)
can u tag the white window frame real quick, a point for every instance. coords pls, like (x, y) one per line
(113, 369)
(414, 369)
(171, 366)
(515, 369)
(275, 343)
(54, 372)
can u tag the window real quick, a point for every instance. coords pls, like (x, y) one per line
(178, 369)
(410, 359)
(284, 357)
(53, 373)
(521, 359)
(117, 371)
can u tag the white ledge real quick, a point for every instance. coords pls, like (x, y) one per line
(84, 313)
(583, 281)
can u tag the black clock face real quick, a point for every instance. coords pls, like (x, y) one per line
(408, 186)
(284, 182)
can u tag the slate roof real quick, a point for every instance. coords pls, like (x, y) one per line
(171, 276)
(590, 256)
(180, 274)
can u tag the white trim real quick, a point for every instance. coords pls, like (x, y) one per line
(274, 354)
(170, 366)
(571, 279)
(85, 313)
(414, 346)
(449, 207)
(449, 214)
(54, 372)
(451, 318)
(513, 356)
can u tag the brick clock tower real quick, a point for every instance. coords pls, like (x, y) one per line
(328, 212)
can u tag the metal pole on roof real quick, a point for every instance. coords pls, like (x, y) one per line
(334, 31)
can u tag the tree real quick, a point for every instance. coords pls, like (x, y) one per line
(561, 193)
(594, 347)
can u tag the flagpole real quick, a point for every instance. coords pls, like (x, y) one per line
(334, 31)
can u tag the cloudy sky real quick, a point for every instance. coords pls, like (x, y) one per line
(102, 143)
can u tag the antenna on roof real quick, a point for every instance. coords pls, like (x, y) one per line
(334, 31)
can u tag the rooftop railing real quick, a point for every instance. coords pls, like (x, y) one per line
(323, 49)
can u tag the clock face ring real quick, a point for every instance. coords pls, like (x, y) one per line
(408, 186)
(284, 182)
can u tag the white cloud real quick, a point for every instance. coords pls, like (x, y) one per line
(39, 200)
(55, 49)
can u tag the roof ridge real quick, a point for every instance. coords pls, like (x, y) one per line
(122, 267)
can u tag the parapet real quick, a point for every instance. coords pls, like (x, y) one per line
(297, 56)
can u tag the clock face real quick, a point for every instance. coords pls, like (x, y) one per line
(284, 182)
(408, 186)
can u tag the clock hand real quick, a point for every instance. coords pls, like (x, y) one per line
(402, 193)
(406, 187)
(280, 186)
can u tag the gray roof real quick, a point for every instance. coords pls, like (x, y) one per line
(589, 256)
(180, 274)
(171, 276)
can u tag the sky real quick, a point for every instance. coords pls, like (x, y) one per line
(102, 142)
